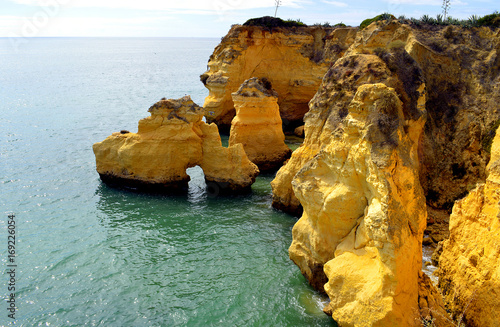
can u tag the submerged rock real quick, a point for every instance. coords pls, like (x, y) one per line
(257, 125)
(469, 265)
(168, 142)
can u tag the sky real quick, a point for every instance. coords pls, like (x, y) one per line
(201, 18)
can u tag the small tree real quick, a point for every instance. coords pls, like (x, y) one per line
(446, 8)
(277, 3)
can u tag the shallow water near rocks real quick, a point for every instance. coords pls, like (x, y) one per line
(89, 255)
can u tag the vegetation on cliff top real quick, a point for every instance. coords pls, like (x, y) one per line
(492, 20)
(384, 16)
(273, 22)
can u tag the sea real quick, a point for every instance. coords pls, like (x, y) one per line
(75, 252)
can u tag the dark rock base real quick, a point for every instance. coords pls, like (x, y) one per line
(171, 188)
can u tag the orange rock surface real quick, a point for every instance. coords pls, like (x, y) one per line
(364, 213)
(291, 59)
(257, 125)
(469, 266)
(168, 142)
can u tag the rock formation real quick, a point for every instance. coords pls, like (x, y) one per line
(341, 176)
(469, 266)
(461, 68)
(257, 124)
(294, 60)
(430, 302)
(364, 211)
(330, 105)
(168, 142)
(368, 165)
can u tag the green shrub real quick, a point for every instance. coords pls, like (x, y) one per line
(492, 20)
(473, 20)
(294, 22)
(384, 16)
(426, 19)
(416, 22)
(489, 136)
(439, 20)
(398, 44)
(272, 22)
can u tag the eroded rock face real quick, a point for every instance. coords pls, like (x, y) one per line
(329, 107)
(461, 68)
(469, 266)
(257, 125)
(364, 212)
(294, 60)
(431, 305)
(168, 142)
(462, 71)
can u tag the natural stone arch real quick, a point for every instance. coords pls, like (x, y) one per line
(168, 142)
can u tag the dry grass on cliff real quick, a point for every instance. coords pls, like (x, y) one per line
(408, 71)
(430, 321)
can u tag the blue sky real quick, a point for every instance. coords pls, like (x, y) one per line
(200, 18)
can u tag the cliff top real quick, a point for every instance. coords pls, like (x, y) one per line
(274, 24)
(271, 23)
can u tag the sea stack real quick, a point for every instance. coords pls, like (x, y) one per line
(258, 126)
(292, 58)
(364, 213)
(168, 142)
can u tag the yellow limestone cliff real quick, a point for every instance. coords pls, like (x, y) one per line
(364, 213)
(469, 266)
(257, 124)
(168, 142)
(461, 68)
(292, 59)
(329, 106)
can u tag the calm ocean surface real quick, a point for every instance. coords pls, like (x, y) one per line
(89, 255)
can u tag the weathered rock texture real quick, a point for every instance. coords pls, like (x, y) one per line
(168, 142)
(329, 106)
(469, 266)
(461, 68)
(430, 302)
(364, 209)
(294, 60)
(257, 124)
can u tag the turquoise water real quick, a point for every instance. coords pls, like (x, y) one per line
(89, 255)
